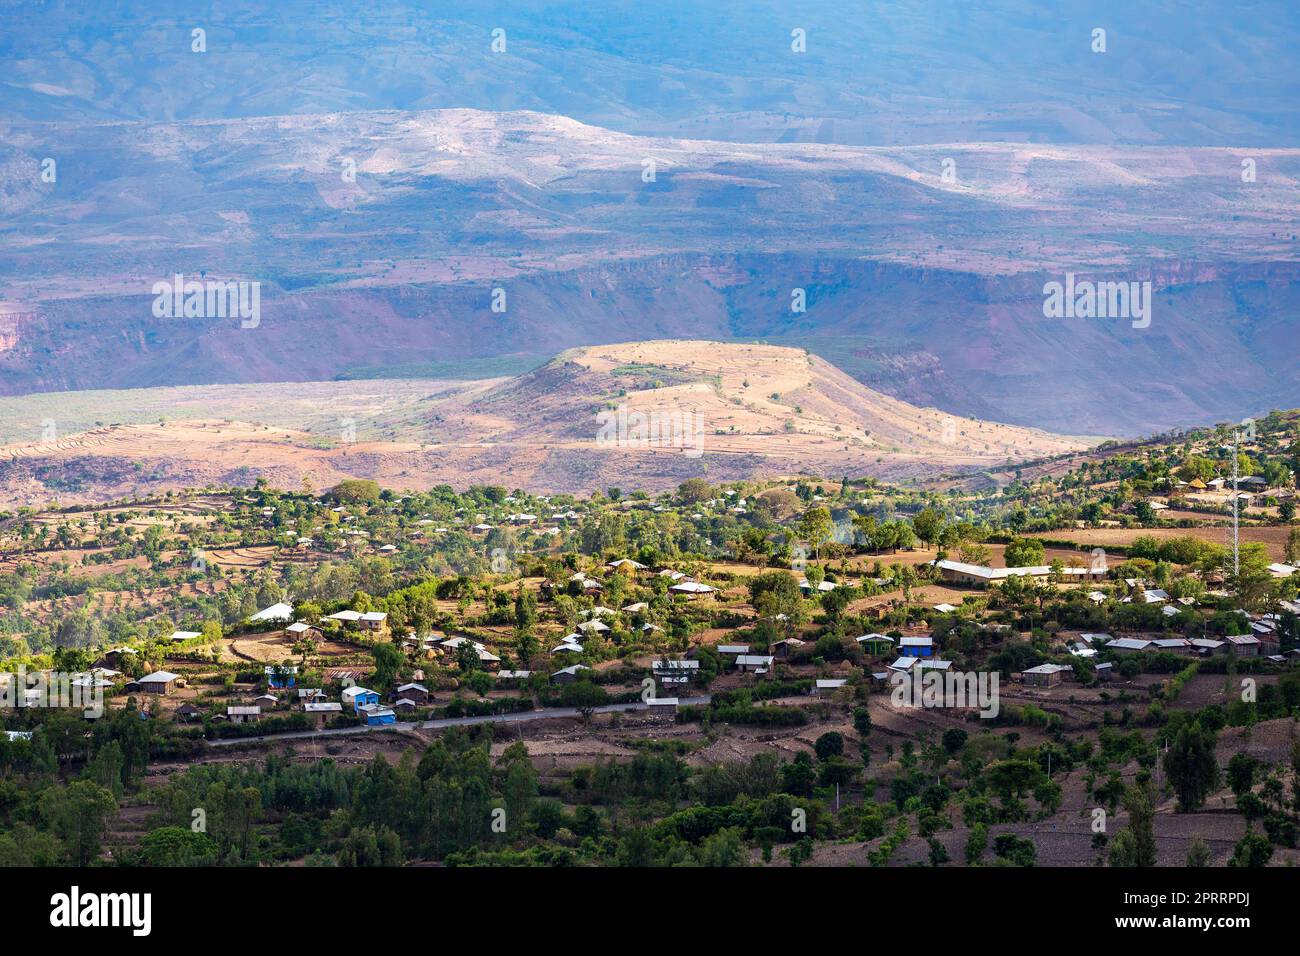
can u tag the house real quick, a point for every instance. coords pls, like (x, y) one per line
(266, 701)
(116, 655)
(781, 649)
(1206, 647)
(693, 588)
(1105, 671)
(427, 644)
(486, 657)
(827, 687)
(593, 627)
(1172, 645)
(302, 631)
(378, 716)
(404, 705)
(626, 564)
(978, 575)
(1243, 645)
(178, 636)
(513, 677)
(1128, 645)
(732, 649)
(322, 710)
(636, 608)
(414, 692)
(567, 647)
(357, 697)
(159, 682)
(585, 583)
(945, 608)
(916, 647)
(1093, 637)
(90, 681)
(310, 693)
(662, 707)
(345, 617)
(675, 672)
(876, 645)
(187, 712)
(757, 663)
(568, 675)
(1045, 675)
(373, 620)
(276, 613)
(903, 665)
(806, 587)
(244, 715)
(1281, 570)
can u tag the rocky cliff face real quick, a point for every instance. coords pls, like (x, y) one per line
(1221, 341)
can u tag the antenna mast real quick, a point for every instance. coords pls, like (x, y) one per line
(1236, 537)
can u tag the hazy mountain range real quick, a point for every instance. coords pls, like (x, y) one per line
(623, 172)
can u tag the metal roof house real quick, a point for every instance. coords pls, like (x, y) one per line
(159, 682)
(916, 646)
(358, 697)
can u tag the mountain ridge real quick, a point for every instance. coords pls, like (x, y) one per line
(731, 411)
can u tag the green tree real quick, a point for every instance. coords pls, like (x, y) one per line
(1024, 552)
(1252, 850)
(584, 696)
(694, 490)
(1135, 845)
(928, 523)
(976, 843)
(830, 744)
(78, 814)
(355, 491)
(816, 527)
(1198, 853)
(1191, 766)
(177, 846)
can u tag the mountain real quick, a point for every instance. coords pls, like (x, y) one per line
(640, 414)
(872, 72)
(927, 289)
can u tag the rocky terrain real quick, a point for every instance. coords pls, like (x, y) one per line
(643, 414)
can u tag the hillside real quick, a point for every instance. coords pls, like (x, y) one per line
(738, 410)
(927, 290)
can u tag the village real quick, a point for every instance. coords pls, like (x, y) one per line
(842, 630)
